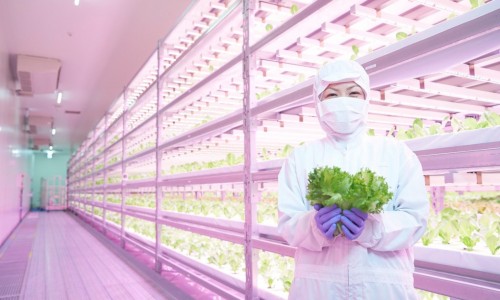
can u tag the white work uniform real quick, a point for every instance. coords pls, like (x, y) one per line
(379, 264)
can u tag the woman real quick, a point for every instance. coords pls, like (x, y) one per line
(373, 258)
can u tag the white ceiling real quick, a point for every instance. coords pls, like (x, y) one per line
(101, 44)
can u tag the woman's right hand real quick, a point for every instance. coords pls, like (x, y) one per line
(326, 219)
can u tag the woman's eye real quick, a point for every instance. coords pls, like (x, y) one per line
(330, 95)
(355, 93)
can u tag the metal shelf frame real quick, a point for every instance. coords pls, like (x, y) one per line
(411, 77)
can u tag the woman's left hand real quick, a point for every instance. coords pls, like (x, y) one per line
(353, 222)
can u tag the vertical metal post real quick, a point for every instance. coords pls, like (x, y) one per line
(83, 186)
(68, 175)
(124, 169)
(251, 255)
(437, 194)
(93, 177)
(105, 191)
(159, 196)
(21, 191)
(83, 193)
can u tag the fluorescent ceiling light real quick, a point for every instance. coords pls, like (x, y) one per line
(53, 131)
(77, 2)
(59, 97)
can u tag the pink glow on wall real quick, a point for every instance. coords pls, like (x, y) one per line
(14, 164)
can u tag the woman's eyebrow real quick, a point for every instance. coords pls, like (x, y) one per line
(348, 88)
(330, 88)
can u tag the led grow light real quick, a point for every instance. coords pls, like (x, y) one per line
(406, 112)
(449, 90)
(421, 102)
(447, 6)
(343, 33)
(401, 22)
(483, 75)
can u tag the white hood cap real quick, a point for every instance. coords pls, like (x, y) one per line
(341, 71)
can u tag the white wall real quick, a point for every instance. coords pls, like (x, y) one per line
(13, 166)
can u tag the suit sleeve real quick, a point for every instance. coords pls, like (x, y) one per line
(405, 224)
(297, 225)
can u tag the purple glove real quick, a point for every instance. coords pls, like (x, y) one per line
(353, 222)
(326, 219)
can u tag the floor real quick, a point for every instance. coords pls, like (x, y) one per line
(52, 256)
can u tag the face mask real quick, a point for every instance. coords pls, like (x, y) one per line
(342, 115)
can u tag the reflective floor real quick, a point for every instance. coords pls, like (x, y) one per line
(52, 256)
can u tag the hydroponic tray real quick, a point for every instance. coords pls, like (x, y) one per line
(474, 150)
(460, 274)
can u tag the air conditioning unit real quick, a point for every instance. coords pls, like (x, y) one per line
(40, 121)
(30, 129)
(39, 142)
(37, 75)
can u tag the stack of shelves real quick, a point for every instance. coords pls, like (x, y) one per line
(53, 193)
(192, 147)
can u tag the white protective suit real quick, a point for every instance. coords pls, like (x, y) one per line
(379, 264)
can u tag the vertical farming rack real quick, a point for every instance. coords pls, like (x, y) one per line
(53, 193)
(184, 164)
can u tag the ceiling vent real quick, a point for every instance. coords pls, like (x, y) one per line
(40, 121)
(37, 75)
(30, 129)
(39, 142)
(72, 112)
(32, 123)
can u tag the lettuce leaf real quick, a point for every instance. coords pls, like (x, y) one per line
(364, 190)
(368, 192)
(328, 186)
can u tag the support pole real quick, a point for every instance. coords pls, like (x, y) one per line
(124, 170)
(105, 191)
(158, 189)
(251, 254)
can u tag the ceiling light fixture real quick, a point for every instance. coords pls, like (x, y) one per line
(59, 97)
(52, 126)
(77, 2)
